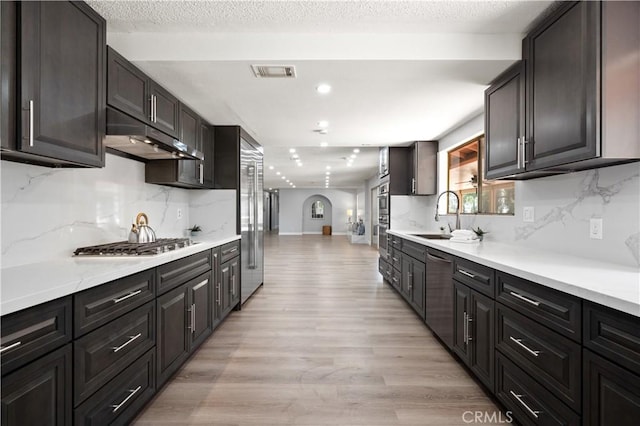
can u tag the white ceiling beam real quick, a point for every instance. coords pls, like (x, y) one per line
(283, 47)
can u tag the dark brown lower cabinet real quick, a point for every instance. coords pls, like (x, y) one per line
(527, 401)
(39, 393)
(474, 332)
(413, 283)
(230, 277)
(611, 393)
(184, 321)
(120, 400)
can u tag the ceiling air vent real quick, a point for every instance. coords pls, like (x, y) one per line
(274, 71)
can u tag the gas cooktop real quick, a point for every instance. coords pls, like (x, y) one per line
(125, 248)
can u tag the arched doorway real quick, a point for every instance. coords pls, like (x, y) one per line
(316, 213)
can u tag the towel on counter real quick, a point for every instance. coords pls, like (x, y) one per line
(460, 235)
(464, 240)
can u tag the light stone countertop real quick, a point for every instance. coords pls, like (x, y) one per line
(609, 284)
(31, 284)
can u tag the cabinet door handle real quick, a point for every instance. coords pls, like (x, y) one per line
(201, 174)
(469, 321)
(31, 122)
(519, 155)
(131, 339)
(468, 274)
(193, 318)
(155, 109)
(523, 346)
(11, 346)
(464, 327)
(534, 413)
(524, 152)
(132, 392)
(524, 298)
(151, 108)
(233, 285)
(410, 280)
(413, 185)
(126, 296)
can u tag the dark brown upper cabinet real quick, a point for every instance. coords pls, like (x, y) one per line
(190, 174)
(60, 84)
(133, 92)
(504, 123)
(410, 170)
(581, 91)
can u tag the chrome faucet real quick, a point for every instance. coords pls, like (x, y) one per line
(457, 208)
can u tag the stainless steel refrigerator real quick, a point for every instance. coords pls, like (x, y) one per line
(251, 217)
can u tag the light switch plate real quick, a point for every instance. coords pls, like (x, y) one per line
(595, 228)
(528, 214)
(179, 214)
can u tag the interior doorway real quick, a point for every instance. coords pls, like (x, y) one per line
(316, 213)
(373, 217)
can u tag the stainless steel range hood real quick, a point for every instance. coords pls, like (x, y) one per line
(129, 135)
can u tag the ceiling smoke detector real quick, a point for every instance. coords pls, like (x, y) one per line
(274, 71)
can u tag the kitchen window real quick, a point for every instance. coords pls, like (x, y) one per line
(477, 195)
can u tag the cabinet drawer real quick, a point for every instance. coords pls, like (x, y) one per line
(120, 400)
(395, 258)
(171, 275)
(396, 278)
(478, 277)
(396, 242)
(229, 251)
(530, 402)
(556, 310)
(99, 305)
(103, 353)
(554, 360)
(31, 333)
(382, 267)
(415, 250)
(612, 334)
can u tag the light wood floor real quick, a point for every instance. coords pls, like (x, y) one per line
(324, 342)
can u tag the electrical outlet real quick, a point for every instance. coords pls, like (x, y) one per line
(179, 214)
(528, 214)
(595, 228)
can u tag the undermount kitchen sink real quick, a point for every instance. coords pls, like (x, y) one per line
(433, 236)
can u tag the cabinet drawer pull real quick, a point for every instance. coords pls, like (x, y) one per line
(523, 346)
(11, 346)
(394, 242)
(395, 280)
(526, 299)
(132, 392)
(127, 296)
(534, 413)
(31, 122)
(233, 249)
(468, 274)
(395, 259)
(437, 258)
(131, 339)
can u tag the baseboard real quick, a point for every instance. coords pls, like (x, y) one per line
(289, 233)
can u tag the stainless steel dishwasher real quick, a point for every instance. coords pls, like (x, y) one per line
(439, 295)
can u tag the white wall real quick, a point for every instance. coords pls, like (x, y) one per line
(291, 205)
(563, 206)
(47, 213)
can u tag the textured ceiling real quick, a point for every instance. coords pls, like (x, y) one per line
(400, 70)
(319, 16)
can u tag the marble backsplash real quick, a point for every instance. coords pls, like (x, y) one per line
(563, 207)
(47, 213)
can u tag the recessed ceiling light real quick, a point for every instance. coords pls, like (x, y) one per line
(292, 150)
(278, 173)
(293, 186)
(356, 150)
(270, 167)
(295, 156)
(299, 164)
(323, 88)
(323, 144)
(353, 156)
(290, 183)
(328, 167)
(328, 173)
(283, 177)
(323, 124)
(270, 189)
(287, 181)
